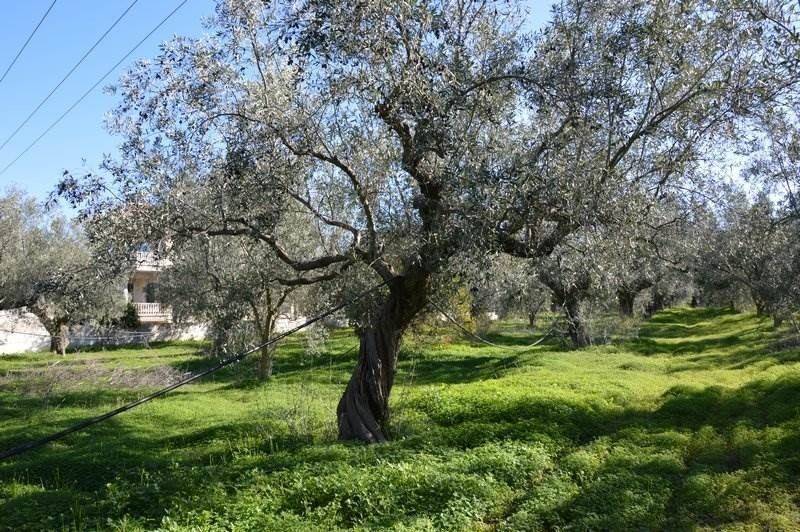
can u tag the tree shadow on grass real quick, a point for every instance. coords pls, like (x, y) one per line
(688, 317)
(704, 455)
(649, 345)
(760, 355)
(745, 344)
(707, 456)
(448, 369)
(643, 458)
(74, 477)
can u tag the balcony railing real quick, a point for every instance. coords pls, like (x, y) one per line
(153, 311)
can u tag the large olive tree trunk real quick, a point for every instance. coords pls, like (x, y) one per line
(569, 296)
(364, 408)
(576, 326)
(57, 328)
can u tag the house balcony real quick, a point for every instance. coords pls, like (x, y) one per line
(153, 312)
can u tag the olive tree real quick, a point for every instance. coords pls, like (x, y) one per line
(370, 122)
(654, 256)
(507, 286)
(647, 93)
(47, 267)
(233, 285)
(753, 248)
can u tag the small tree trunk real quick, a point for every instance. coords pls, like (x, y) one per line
(532, 318)
(626, 299)
(60, 341)
(221, 336)
(364, 408)
(265, 362)
(575, 324)
(265, 330)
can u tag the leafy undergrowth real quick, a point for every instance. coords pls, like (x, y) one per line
(693, 425)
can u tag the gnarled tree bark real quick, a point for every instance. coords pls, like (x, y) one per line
(576, 327)
(626, 295)
(364, 408)
(569, 296)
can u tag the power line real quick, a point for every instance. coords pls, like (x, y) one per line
(34, 444)
(28, 40)
(73, 69)
(432, 302)
(85, 94)
(455, 322)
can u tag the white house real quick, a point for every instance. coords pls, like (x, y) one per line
(142, 290)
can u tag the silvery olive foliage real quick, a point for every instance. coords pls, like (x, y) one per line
(640, 94)
(47, 266)
(505, 286)
(774, 160)
(233, 285)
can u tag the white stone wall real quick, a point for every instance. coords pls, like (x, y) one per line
(29, 333)
(284, 323)
(22, 332)
(87, 335)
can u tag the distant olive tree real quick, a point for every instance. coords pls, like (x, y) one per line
(232, 284)
(504, 285)
(753, 250)
(47, 267)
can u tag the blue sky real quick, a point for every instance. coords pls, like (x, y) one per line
(79, 141)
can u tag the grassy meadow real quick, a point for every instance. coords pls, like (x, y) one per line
(693, 424)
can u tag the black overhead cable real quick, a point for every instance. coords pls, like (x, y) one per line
(28, 40)
(68, 74)
(85, 94)
(34, 444)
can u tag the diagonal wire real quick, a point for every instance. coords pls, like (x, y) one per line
(34, 444)
(93, 87)
(68, 74)
(28, 40)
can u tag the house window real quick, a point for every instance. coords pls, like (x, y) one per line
(151, 293)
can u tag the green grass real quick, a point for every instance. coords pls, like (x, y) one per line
(693, 425)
